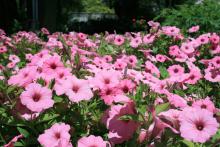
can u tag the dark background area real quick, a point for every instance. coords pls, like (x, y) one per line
(59, 15)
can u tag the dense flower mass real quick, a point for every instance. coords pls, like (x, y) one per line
(155, 88)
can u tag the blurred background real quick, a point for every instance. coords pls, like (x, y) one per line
(94, 16)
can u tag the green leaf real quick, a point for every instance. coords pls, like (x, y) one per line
(129, 117)
(188, 143)
(162, 107)
(163, 72)
(18, 144)
(57, 99)
(24, 132)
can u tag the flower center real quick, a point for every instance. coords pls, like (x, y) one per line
(57, 135)
(107, 81)
(75, 88)
(203, 106)
(176, 70)
(200, 126)
(36, 97)
(53, 66)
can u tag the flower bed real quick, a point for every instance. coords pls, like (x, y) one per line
(157, 89)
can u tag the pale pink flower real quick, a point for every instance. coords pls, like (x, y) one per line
(92, 141)
(187, 48)
(105, 78)
(52, 65)
(15, 139)
(161, 58)
(151, 68)
(37, 98)
(175, 70)
(77, 89)
(126, 86)
(132, 60)
(197, 125)
(24, 77)
(204, 104)
(11, 65)
(135, 42)
(119, 131)
(82, 36)
(214, 38)
(203, 39)
(171, 30)
(45, 31)
(176, 100)
(119, 40)
(56, 136)
(3, 49)
(148, 39)
(13, 58)
(212, 74)
(193, 29)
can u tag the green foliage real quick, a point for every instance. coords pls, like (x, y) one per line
(92, 6)
(205, 14)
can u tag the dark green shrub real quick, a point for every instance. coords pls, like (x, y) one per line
(205, 14)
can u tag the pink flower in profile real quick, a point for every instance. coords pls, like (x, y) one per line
(197, 125)
(151, 68)
(119, 131)
(37, 98)
(92, 141)
(45, 31)
(204, 104)
(15, 139)
(119, 40)
(56, 136)
(24, 77)
(175, 70)
(77, 89)
(176, 100)
(153, 24)
(193, 29)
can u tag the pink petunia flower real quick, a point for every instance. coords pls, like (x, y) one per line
(92, 141)
(77, 89)
(193, 29)
(37, 98)
(175, 70)
(197, 124)
(119, 131)
(204, 104)
(56, 136)
(119, 40)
